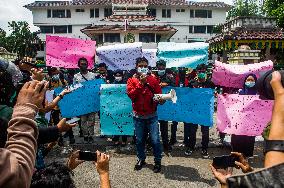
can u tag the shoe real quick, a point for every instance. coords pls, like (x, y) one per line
(157, 167)
(188, 152)
(139, 165)
(204, 154)
(72, 140)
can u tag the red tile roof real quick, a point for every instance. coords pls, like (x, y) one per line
(250, 34)
(110, 2)
(131, 18)
(130, 28)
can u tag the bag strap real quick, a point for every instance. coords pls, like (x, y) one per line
(84, 77)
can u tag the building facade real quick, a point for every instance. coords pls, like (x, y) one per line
(118, 21)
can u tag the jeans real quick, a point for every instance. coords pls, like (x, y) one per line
(192, 136)
(116, 138)
(186, 132)
(87, 124)
(141, 126)
(174, 131)
(164, 132)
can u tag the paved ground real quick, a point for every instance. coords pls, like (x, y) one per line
(177, 171)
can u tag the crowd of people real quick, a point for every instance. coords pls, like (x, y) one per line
(31, 125)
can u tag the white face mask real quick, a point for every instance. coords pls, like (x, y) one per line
(118, 79)
(143, 70)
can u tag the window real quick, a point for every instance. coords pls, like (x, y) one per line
(97, 13)
(190, 29)
(92, 13)
(152, 12)
(112, 37)
(80, 10)
(68, 13)
(192, 13)
(158, 38)
(46, 29)
(166, 13)
(49, 13)
(146, 37)
(60, 29)
(69, 28)
(108, 12)
(210, 29)
(180, 10)
(199, 29)
(203, 14)
(58, 13)
(209, 13)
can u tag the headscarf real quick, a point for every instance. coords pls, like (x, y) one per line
(246, 90)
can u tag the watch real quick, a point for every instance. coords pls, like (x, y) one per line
(273, 145)
(61, 96)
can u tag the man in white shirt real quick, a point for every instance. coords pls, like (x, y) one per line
(88, 120)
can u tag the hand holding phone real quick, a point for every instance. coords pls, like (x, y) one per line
(87, 156)
(73, 120)
(225, 161)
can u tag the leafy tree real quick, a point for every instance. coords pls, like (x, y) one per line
(275, 8)
(20, 40)
(243, 8)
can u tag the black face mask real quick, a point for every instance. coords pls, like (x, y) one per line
(83, 68)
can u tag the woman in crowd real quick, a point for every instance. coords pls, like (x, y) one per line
(242, 143)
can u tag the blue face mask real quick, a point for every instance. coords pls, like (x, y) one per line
(161, 72)
(250, 84)
(202, 75)
(55, 77)
(143, 70)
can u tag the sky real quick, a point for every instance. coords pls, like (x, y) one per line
(13, 10)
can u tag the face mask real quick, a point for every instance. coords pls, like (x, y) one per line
(143, 70)
(250, 84)
(118, 79)
(55, 77)
(202, 75)
(161, 72)
(83, 67)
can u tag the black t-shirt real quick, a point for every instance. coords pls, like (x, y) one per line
(196, 84)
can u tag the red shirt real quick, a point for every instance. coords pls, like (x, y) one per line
(142, 96)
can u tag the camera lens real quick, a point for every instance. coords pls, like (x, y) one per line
(263, 85)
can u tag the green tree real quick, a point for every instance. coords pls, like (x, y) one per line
(20, 40)
(243, 8)
(275, 8)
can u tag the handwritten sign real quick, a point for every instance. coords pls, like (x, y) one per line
(116, 110)
(65, 52)
(151, 56)
(243, 114)
(81, 101)
(183, 54)
(120, 56)
(193, 106)
(233, 75)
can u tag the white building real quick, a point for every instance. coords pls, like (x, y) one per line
(149, 21)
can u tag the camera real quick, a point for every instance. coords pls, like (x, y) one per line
(263, 86)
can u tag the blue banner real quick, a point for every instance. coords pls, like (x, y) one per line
(183, 54)
(81, 101)
(116, 110)
(193, 106)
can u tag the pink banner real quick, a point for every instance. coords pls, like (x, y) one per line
(65, 52)
(243, 114)
(233, 75)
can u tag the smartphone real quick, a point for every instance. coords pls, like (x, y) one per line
(87, 156)
(224, 161)
(73, 120)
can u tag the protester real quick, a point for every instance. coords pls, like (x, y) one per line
(272, 175)
(165, 79)
(242, 143)
(181, 80)
(17, 159)
(60, 175)
(87, 121)
(141, 89)
(200, 82)
(105, 74)
(118, 79)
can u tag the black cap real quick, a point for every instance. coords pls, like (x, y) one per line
(161, 62)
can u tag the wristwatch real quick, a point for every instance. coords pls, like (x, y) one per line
(61, 96)
(273, 145)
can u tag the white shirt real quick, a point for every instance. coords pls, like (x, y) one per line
(78, 78)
